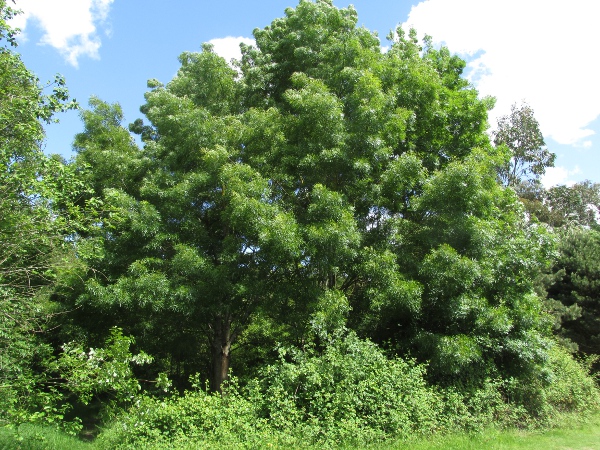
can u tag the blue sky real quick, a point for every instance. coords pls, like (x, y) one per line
(540, 52)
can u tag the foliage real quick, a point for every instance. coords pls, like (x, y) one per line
(208, 241)
(346, 394)
(324, 185)
(575, 288)
(106, 370)
(335, 205)
(569, 284)
(571, 389)
(351, 393)
(578, 204)
(110, 150)
(573, 431)
(350, 389)
(561, 206)
(520, 133)
(198, 416)
(37, 212)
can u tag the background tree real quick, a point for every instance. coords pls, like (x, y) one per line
(36, 213)
(562, 205)
(520, 133)
(571, 212)
(575, 289)
(578, 204)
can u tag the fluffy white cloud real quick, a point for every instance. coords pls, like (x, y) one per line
(558, 175)
(540, 52)
(229, 47)
(70, 26)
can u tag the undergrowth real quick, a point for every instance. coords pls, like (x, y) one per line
(345, 395)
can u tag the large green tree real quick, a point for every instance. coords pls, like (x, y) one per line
(325, 185)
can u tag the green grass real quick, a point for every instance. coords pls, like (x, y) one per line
(570, 436)
(37, 437)
(573, 435)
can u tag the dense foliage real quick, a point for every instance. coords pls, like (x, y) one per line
(327, 185)
(575, 288)
(33, 187)
(323, 219)
(352, 395)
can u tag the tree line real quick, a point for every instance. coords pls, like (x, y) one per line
(316, 200)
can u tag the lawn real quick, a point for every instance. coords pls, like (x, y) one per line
(571, 436)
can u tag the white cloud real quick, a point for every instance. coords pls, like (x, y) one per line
(540, 52)
(70, 26)
(229, 47)
(558, 175)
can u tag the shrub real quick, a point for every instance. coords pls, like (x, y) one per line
(347, 393)
(350, 390)
(197, 416)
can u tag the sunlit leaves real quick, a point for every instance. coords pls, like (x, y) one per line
(331, 232)
(520, 132)
(402, 180)
(317, 119)
(207, 79)
(107, 370)
(326, 185)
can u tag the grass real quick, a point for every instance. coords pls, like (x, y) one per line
(573, 435)
(570, 436)
(37, 437)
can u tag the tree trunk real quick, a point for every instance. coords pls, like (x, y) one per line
(221, 347)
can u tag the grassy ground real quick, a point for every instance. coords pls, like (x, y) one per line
(572, 436)
(34, 437)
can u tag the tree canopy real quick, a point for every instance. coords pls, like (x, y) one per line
(520, 133)
(321, 185)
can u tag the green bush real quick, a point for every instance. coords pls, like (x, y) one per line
(347, 393)
(571, 388)
(197, 416)
(350, 390)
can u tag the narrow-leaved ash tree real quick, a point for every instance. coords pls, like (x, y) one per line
(325, 185)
